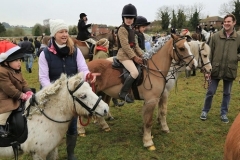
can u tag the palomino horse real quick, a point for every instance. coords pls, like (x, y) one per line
(50, 115)
(201, 52)
(232, 143)
(155, 70)
(83, 45)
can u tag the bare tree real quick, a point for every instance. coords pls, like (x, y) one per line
(190, 10)
(226, 8)
(163, 9)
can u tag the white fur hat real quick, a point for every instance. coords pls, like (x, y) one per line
(57, 25)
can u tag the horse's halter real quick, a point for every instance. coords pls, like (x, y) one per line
(90, 110)
(180, 59)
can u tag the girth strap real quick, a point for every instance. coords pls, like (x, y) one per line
(15, 147)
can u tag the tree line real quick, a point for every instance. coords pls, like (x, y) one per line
(167, 16)
(189, 16)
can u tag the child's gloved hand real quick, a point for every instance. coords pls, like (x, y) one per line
(26, 96)
(30, 93)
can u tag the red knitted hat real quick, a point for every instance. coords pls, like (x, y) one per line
(6, 49)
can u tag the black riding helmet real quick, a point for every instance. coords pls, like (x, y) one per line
(141, 21)
(129, 10)
(82, 15)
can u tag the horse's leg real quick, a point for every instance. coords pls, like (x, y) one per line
(36, 156)
(53, 155)
(162, 112)
(148, 109)
(101, 121)
(81, 129)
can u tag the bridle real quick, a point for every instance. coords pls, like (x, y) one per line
(33, 102)
(201, 59)
(180, 59)
(207, 81)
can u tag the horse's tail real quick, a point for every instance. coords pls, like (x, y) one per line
(6, 152)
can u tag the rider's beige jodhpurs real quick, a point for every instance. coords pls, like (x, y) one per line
(130, 66)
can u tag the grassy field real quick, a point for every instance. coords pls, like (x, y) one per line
(189, 137)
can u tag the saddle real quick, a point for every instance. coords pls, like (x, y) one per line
(125, 73)
(17, 131)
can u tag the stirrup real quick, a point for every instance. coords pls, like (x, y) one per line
(125, 98)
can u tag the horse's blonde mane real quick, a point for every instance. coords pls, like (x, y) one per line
(43, 94)
(159, 44)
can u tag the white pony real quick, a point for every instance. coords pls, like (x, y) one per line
(201, 52)
(50, 116)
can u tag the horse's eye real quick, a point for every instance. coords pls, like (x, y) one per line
(181, 49)
(83, 96)
(205, 56)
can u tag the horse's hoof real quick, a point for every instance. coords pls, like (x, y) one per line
(107, 129)
(82, 134)
(166, 131)
(110, 118)
(152, 148)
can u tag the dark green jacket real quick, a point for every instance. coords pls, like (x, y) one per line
(224, 55)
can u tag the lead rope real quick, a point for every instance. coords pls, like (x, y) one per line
(89, 77)
(207, 81)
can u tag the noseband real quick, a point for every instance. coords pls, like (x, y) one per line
(90, 110)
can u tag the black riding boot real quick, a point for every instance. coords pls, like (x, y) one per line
(116, 103)
(71, 143)
(126, 87)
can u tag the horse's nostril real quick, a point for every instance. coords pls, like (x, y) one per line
(105, 111)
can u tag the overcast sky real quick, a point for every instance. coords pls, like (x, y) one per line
(30, 12)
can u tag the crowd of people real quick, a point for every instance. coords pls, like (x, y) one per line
(58, 55)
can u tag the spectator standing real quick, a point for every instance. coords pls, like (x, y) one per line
(224, 52)
(28, 49)
(37, 45)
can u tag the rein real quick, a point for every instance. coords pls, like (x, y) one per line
(33, 102)
(148, 69)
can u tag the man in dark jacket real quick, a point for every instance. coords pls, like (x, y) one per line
(29, 49)
(83, 33)
(37, 44)
(224, 52)
(211, 29)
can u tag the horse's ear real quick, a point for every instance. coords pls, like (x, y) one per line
(81, 76)
(203, 44)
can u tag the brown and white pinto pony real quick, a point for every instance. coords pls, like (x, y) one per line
(232, 143)
(155, 72)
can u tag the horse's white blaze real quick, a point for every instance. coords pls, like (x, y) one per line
(190, 53)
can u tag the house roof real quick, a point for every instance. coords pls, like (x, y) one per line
(211, 19)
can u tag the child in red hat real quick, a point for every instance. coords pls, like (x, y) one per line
(13, 87)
